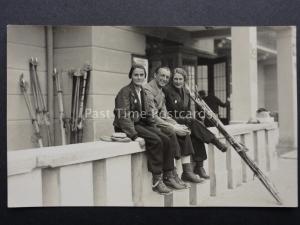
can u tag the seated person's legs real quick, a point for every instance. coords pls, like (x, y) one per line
(186, 150)
(155, 157)
(199, 157)
(200, 132)
(170, 179)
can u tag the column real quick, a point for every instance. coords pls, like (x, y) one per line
(244, 73)
(287, 88)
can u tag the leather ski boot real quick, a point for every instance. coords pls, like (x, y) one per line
(170, 181)
(188, 175)
(222, 147)
(178, 180)
(200, 170)
(159, 186)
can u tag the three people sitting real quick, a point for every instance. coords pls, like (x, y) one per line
(141, 113)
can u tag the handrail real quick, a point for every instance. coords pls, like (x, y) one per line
(22, 161)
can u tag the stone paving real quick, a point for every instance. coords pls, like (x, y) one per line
(254, 193)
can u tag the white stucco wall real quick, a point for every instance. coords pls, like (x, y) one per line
(271, 88)
(260, 85)
(23, 42)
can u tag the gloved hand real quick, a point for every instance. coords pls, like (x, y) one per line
(141, 141)
(181, 130)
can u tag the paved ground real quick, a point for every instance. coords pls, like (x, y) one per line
(254, 194)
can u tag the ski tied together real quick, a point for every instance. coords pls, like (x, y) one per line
(238, 147)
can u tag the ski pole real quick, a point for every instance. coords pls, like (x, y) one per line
(23, 87)
(60, 106)
(83, 99)
(42, 110)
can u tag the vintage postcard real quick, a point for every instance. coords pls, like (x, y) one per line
(201, 116)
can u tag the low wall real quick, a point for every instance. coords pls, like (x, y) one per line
(115, 174)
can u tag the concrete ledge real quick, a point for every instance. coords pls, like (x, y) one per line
(23, 161)
(99, 162)
(26, 160)
(79, 153)
(235, 129)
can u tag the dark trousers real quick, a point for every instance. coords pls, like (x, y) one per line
(160, 156)
(182, 145)
(199, 135)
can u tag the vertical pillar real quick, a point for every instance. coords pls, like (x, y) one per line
(260, 149)
(217, 169)
(211, 170)
(137, 178)
(112, 181)
(244, 73)
(271, 142)
(247, 140)
(25, 190)
(234, 167)
(149, 197)
(51, 186)
(287, 88)
(76, 185)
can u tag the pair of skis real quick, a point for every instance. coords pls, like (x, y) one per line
(37, 109)
(238, 147)
(81, 80)
(38, 113)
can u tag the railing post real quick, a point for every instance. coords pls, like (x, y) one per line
(76, 185)
(247, 140)
(137, 178)
(234, 167)
(51, 186)
(25, 189)
(261, 149)
(230, 178)
(221, 172)
(149, 197)
(112, 177)
(271, 152)
(211, 170)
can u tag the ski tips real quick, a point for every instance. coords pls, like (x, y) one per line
(279, 202)
(54, 72)
(21, 79)
(278, 199)
(23, 83)
(80, 71)
(33, 61)
(87, 66)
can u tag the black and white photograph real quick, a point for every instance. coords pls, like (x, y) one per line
(151, 116)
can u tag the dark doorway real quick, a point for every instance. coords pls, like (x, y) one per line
(214, 78)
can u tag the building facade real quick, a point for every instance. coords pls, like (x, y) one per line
(254, 66)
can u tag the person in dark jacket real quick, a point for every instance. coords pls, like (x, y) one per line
(178, 104)
(170, 127)
(131, 117)
(213, 102)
